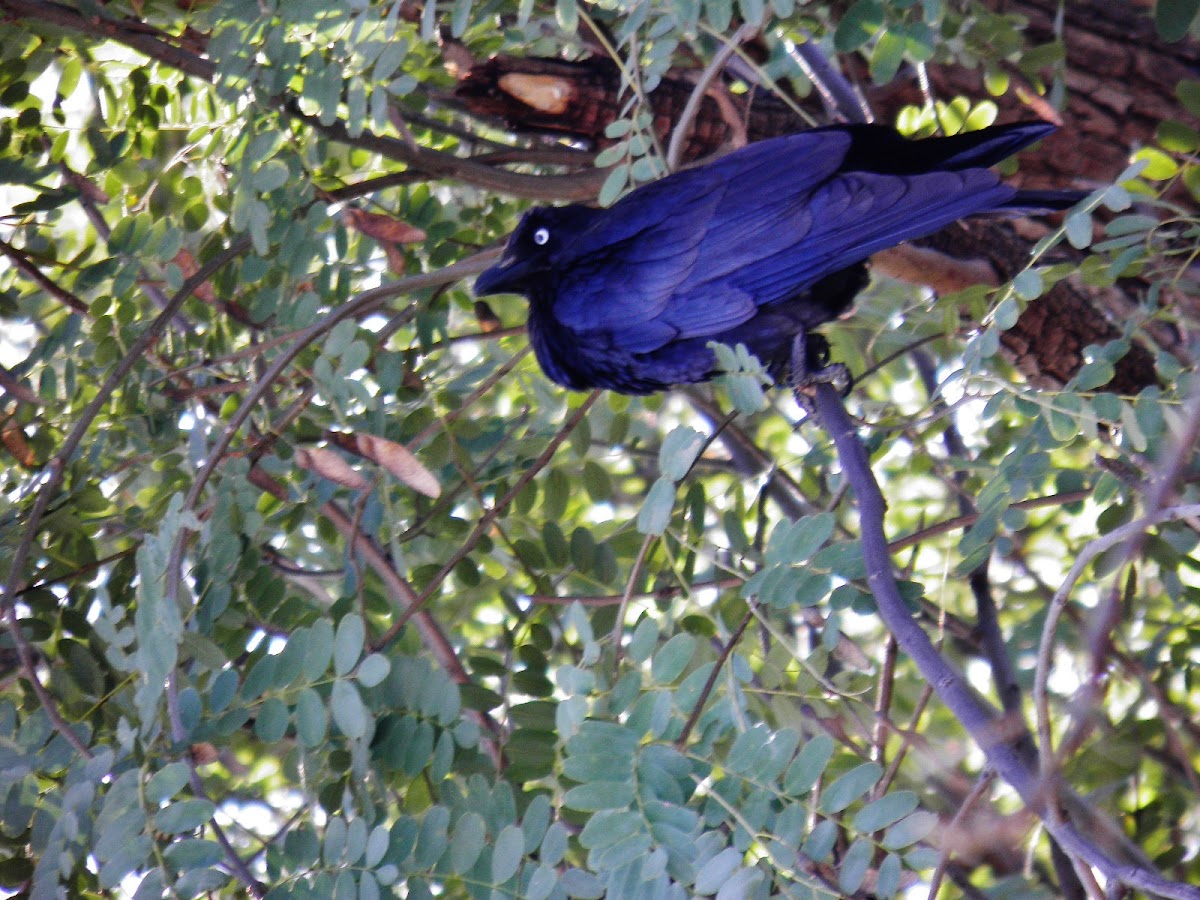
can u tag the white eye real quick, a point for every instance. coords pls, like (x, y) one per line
(541, 236)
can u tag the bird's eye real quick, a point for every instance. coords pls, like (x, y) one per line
(541, 236)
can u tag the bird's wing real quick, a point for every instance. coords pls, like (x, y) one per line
(624, 273)
(845, 220)
(696, 256)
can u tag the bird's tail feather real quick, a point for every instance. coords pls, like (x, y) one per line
(879, 149)
(1042, 201)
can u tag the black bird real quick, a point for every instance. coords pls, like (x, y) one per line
(757, 248)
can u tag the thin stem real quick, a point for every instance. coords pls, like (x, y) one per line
(684, 124)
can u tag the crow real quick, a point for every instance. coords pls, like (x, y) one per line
(757, 248)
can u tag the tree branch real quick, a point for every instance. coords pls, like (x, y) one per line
(982, 721)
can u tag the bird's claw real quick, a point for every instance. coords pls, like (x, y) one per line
(810, 366)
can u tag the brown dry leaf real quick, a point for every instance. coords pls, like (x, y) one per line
(329, 464)
(383, 228)
(390, 232)
(398, 460)
(395, 258)
(189, 267)
(203, 753)
(15, 442)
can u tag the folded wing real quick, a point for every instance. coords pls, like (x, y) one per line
(698, 253)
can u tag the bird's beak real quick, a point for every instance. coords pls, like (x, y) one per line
(505, 277)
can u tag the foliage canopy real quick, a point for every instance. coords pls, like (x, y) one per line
(315, 587)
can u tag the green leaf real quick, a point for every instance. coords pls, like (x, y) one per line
(716, 872)
(888, 54)
(1028, 285)
(167, 782)
(1159, 166)
(655, 513)
(643, 641)
(333, 847)
(1173, 18)
(804, 772)
(567, 15)
(1007, 313)
(467, 842)
(554, 845)
(1092, 375)
(854, 866)
(887, 881)
(507, 852)
(672, 659)
(752, 11)
(319, 650)
(373, 669)
(610, 827)
(311, 718)
(193, 853)
(271, 723)
(610, 156)
(613, 185)
(799, 541)
(885, 811)
(679, 451)
(185, 815)
(348, 643)
(270, 176)
(349, 713)
(1078, 226)
(909, 830)
(719, 14)
(599, 795)
(819, 844)
(844, 790)
(858, 25)
(617, 129)
(460, 17)
(543, 882)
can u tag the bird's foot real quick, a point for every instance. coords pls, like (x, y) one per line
(810, 366)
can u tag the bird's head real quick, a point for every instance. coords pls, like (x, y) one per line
(534, 249)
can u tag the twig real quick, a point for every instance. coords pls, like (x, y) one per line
(179, 734)
(977, 792)
(9, 383)
(619, 622)
(22, 262)
(1005, 676)
(582, 185)
(486, 520)
(57, 468)
(883, 701)
(698, 707)
(837, 93)
(1167, 469)
(684, 124)
(1058, 603)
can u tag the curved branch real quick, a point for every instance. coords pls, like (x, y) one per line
(982, 721)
